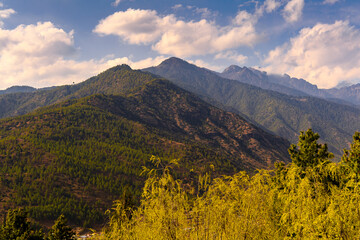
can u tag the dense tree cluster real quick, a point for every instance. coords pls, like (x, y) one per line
(18, 227)
(76, 158)
(311, 198)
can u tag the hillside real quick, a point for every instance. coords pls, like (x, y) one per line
(17, 89)
(282, 114)
(116, 80)
(77, 156)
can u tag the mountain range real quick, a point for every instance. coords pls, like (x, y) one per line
(87, 149)
(279, 104)
(283, 114)
(75, 149)
(292, 86)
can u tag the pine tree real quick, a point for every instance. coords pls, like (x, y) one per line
(310, 153)
(61, 231)
(17, 227)
(351, 158)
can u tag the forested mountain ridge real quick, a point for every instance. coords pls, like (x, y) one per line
(77, 156)
(16, 89)
(282, 114)
(117, 80)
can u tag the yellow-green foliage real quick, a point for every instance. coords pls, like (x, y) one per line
(320, 200)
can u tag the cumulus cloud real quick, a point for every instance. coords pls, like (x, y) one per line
(135, 26)
(40, 55)
(27, 48)
(169, 35)
(325, 54)
(293, 10)
(231, 55)
(330, 1)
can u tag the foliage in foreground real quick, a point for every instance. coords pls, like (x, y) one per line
(18, 227)
(309, 199)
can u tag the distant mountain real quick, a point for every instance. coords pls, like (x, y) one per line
(296, 83)
(292, 86)
(18, 89)
(349, 93)
(77, 156)
(282, 114)
(260, 79)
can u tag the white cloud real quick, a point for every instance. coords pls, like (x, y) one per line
(293, 10)
(40, 55)
(5, 13)
(169, 35)
(325, 54)
(177, 6)
(271, 5)
(140, 64)
(206, 13)
(135, 26)
(1, 4)
(330, 1)
(116, 3)
(231, 55)
(203, 64)
(27, 51)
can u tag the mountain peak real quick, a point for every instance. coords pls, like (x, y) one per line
(232, 69)
(18, 89)
(120, 67)
(174, 61)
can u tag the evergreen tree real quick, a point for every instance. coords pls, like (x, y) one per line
(17, 227)
(351, 158)
(61, 231)
(310, 153)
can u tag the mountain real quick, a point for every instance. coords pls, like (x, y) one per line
(18, 89)
(260, 79)
(296, 83)
(116, 80)
(282, 114)
(79, 155)
(349, 93)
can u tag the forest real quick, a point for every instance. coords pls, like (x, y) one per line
(78, 156)
(310, 198)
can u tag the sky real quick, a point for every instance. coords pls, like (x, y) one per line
(46, 43)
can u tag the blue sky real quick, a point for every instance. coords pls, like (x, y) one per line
(45, 43)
